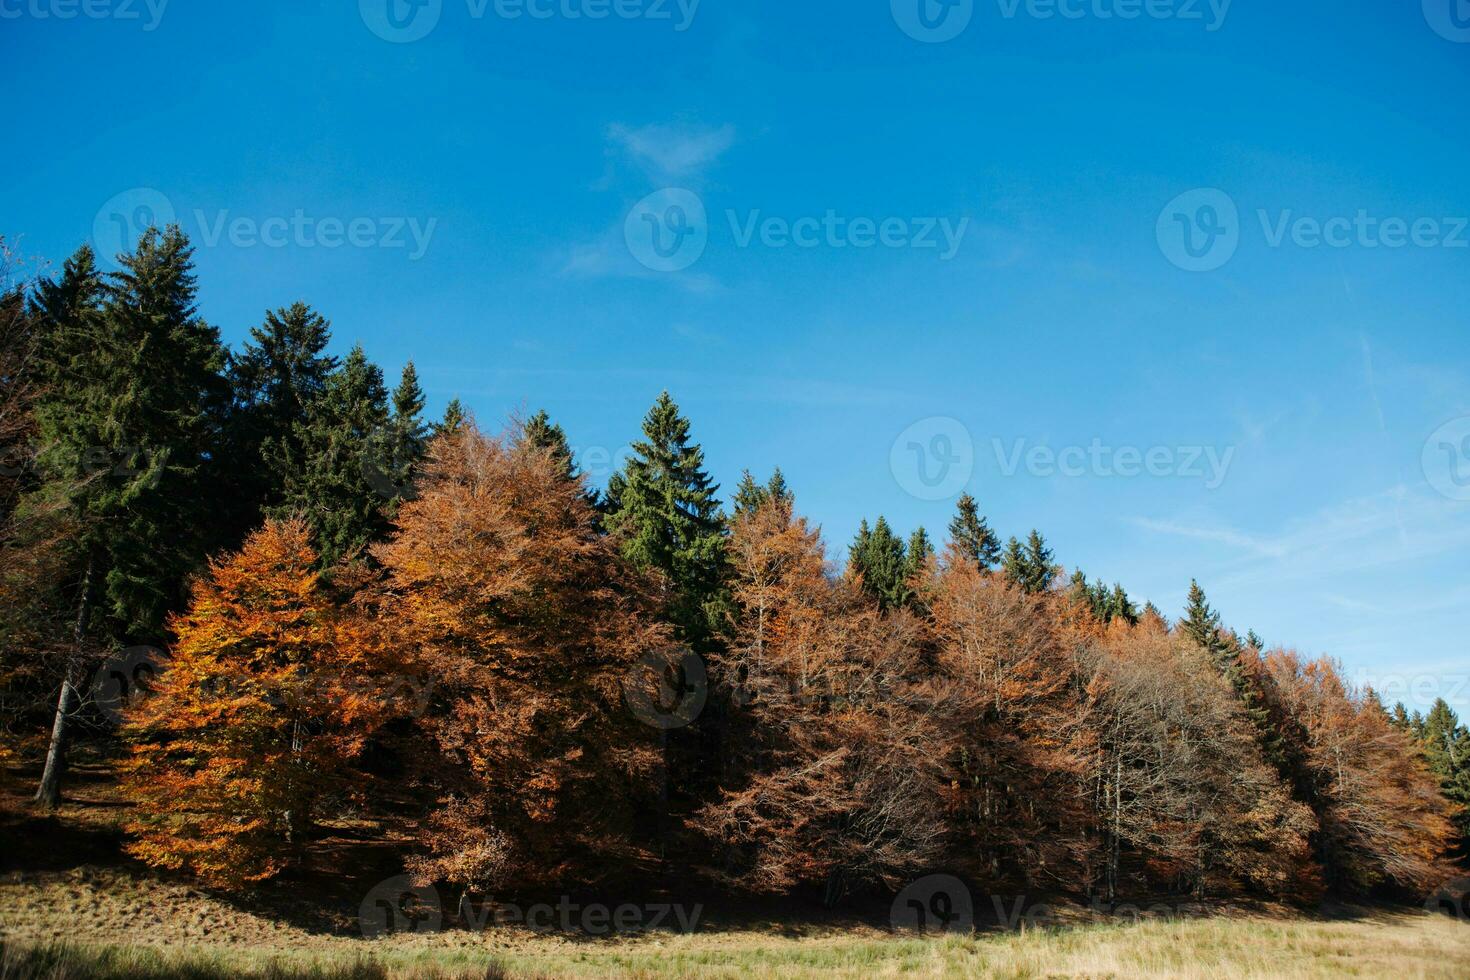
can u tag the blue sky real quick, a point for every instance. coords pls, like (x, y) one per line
(1274, 396)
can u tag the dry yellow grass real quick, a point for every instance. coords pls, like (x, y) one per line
(117, 925)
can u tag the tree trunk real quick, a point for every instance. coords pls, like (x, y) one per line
(49, 792)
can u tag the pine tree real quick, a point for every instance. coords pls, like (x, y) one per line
(972, 536)
(128, 428)
(1121, 607)
(454, 418)
(1447, 747)
(664, 513)
(918, 552)
(1030, 566)
(750, 496)
(401, 443)
(280, 373)
(879, 559)
(341, 449)
(541, 433)
(1201, 623)
(777, 489)
(1238, 665)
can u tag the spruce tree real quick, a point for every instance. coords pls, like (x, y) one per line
(541, 433)
(1121, 607)
(777, 489)
(972, 536)
(400, 444)
(1447, 749)
(664, 513)
(453, 418)
(1029, 566)
(341, 442)
(1226, 650)
(749, 495)
(282, 370)
(167, 420)
(879, 558)
(919, 550)
(134, 407)
(1201, 623)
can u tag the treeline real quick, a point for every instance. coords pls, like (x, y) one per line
(558, 685)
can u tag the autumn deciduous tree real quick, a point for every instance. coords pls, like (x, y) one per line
(1185, 796)
(831, 776)
(268, 696)
(1383, 818)
(499, 587)
(1012, 706)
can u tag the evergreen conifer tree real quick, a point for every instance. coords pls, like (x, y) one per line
(880, 558)
(542, 433)
(973, 536)
(453, 418)
(282, 370)
(663, 510)
(340, 484)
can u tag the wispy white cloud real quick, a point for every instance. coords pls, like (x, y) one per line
(1218, 535)
(1372, 532)
(672, 151)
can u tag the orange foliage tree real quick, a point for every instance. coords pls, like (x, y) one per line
(831, 768)
(267, 697)
(1020, 745)
(1384, 820)
(497, 584)
(1185, 795)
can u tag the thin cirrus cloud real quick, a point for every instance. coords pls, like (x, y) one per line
(1372, 532)
(664, 153)
(672, 151)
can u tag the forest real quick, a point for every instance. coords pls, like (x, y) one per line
(267, 591)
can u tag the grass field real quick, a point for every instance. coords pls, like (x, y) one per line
(107, 925)
(73, 905)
